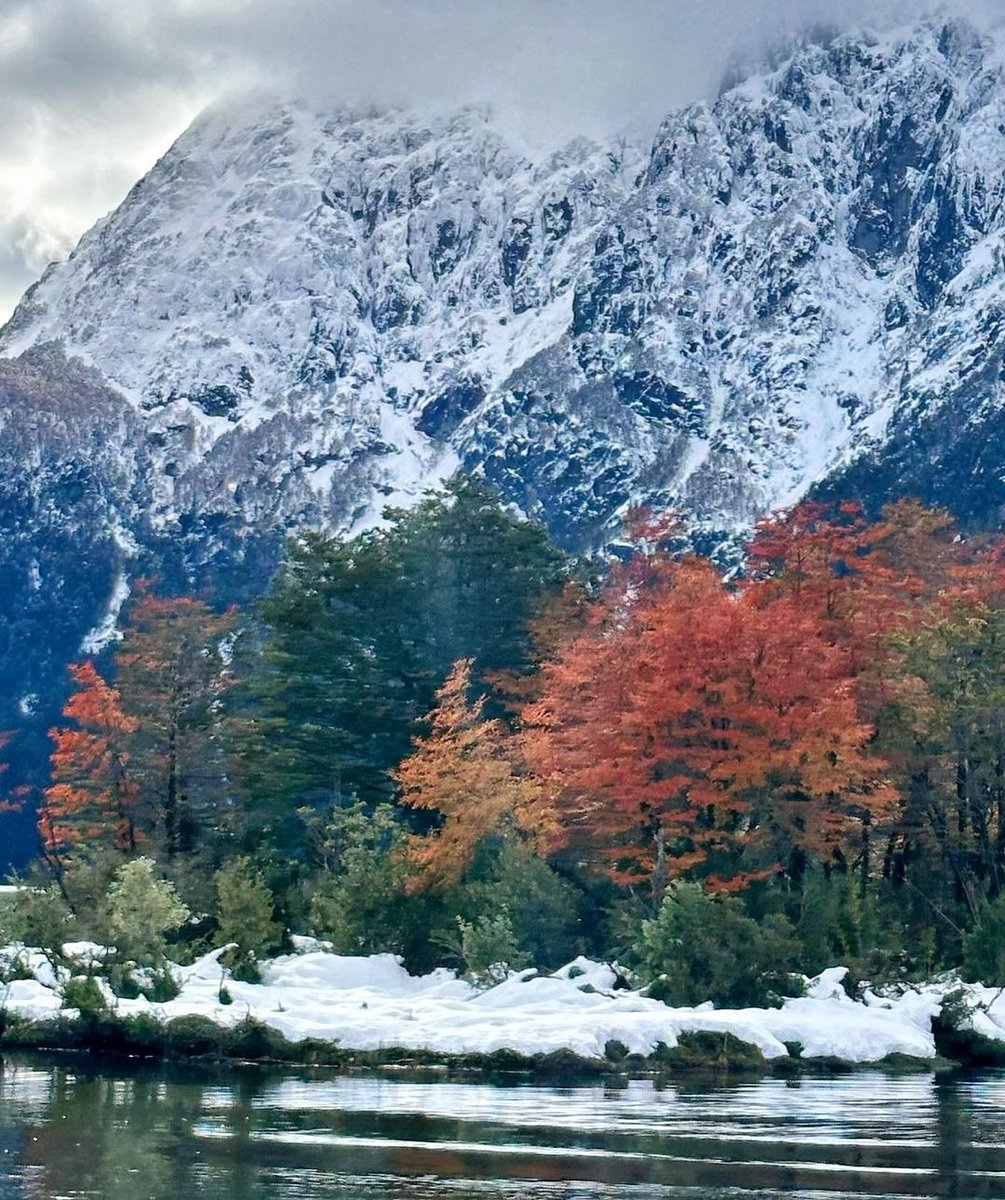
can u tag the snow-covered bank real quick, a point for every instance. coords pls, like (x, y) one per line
(372, 1004)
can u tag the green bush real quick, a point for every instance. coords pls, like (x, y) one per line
(955, 1040)
(542, 907)
(193, 1035)
(254, 1040)
(358, 901)
(246, 917)
(39, 917)
(143, 909)
(707, 1050)
(12, 967)
(83, 993)
(122, 982)
(161, 986)
(489, 947)
(700, 947)
(835, 925)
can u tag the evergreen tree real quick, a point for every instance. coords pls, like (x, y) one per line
(358, 635)
(245, 912)
(357, 890)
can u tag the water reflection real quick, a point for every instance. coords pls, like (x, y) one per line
(71, 1131)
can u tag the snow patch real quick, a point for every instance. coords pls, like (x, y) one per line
(373, 1003)
(106, 630)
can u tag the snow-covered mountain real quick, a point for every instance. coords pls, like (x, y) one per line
(313, 314)
(305, 308)
(299, 317)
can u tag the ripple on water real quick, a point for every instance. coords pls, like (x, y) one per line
(144, 1135)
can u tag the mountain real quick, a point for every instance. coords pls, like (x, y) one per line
(297, 317)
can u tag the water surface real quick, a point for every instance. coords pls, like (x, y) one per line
(69, 1131)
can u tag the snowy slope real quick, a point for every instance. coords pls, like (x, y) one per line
(314, 312)
(302, 305)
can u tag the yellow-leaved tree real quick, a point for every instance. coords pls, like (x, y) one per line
(466, 771)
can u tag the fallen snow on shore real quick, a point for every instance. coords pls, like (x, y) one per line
(373, 1003)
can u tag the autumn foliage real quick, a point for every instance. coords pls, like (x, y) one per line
(693, 727)
(172, 675)
(464, 772)
(92, 798)
(829, 716)
(139, 764)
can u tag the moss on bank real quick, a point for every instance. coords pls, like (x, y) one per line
(198, 1039)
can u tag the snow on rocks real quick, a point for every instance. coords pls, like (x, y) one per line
(309, 313)
(373, 1003)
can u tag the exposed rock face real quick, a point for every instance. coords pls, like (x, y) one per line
(301, 317)
(314, 313)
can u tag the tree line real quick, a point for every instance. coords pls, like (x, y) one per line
(447, 739)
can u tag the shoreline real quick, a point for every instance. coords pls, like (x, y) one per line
(109, 1039)
(318, 1008)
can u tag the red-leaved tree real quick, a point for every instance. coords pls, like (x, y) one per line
(92, 798)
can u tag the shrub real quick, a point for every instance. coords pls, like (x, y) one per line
(13, 966)
(359, 902)
(160, 986)
(83, 993)
(835, 923)
(142, 910)
(193, 1035)
(542, 907)
(39, 917)
(122, 982)
(489, 947)
(704, 1050)
(956, 1040)
(255, 1040)
(246, 916)
(700, 947)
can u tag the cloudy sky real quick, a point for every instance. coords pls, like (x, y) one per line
(94, 90)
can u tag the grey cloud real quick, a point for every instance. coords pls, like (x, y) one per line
(93, 90)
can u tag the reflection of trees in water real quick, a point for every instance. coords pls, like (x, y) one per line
(83, 1132)
(954, 1133)
(114, 1137)
(136, 1136)
(969, 1132)
(168, 1134)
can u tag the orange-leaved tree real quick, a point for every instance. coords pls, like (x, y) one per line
(861, 581)
(463, 770)
(918, 608)
(693, 729)
(92, 798)
(172, 674)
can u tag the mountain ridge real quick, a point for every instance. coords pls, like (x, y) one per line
(323, 290)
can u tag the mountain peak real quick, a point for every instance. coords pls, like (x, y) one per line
(338, 306)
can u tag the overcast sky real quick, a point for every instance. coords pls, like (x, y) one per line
(94, 90)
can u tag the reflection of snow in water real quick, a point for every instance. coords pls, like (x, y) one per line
(866, 1109)
(288, 1137)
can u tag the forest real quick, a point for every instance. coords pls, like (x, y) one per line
(447, 739)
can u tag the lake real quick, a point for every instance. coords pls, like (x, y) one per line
(74, 1130)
